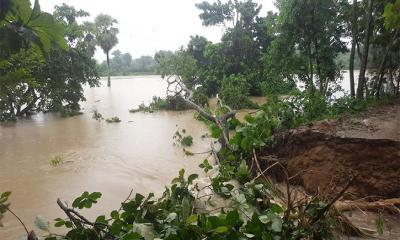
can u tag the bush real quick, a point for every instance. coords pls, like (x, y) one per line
(170, 103)
(235, 92)
(113, 120)
(200, 98)
(273, 86)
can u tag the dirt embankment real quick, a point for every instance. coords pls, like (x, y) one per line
(323, 157)
(324, 163)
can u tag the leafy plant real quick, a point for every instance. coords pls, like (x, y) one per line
(182, 139)
(4, 205)
(157, 104)
(97, 116)
(56, 161)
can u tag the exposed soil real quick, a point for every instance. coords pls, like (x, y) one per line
(324, 163)
(323, 157)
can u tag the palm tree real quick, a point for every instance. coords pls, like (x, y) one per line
(106, 36)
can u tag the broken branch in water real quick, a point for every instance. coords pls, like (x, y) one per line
(177, 88)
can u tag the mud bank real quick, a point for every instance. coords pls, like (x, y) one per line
(324, 163)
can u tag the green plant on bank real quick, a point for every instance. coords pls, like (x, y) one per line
(252, 214)
(113, 120)
(56, 161)
(235, 92)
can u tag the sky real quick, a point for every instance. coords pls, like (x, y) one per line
(147, 26)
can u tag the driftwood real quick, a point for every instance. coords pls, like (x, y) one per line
(390, 205)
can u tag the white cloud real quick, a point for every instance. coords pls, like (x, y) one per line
(147, 26)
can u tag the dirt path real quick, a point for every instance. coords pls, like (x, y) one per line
(381, 122)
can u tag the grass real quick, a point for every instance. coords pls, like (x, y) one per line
(56, 161)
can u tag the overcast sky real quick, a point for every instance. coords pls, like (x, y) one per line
(147, 26)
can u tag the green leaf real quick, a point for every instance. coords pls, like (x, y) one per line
(114, 215)
(221, 229)
(276, 208)
(76, 202)
(94, 196)
(191, 219)
(42, 223)
(192, 177)
(233, 218)
(101, 219)
(5, 195)
(59, 223)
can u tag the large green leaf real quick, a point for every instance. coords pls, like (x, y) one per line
(27, 25)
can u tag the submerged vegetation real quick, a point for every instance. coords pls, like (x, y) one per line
(113, 120)
(180, 138)
(56, 161)
(157, 103)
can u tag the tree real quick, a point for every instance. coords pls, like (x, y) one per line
(312, 32)
(22, 26)
(106, 36)
(33, 81)
(365, 52)
(354, 34)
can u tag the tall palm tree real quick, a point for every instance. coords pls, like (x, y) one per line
(106, 36)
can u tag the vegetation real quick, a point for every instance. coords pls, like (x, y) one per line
(106, 36)
(122, 64)
(57, 160)
(44, 73)
(113, 120)
(169, 103)
(257, 55)
(97, 116)
(181, 139)
(302, 44)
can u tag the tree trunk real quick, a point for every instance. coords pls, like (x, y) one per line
(321, 82)
(381, 71)
(311, 66)
(364, 60)
(108, 69)
(353, 47)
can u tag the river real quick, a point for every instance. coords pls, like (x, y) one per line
(112, 158)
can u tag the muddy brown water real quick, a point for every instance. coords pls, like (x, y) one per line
(135, 154)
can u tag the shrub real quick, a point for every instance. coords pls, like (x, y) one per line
(235, 92)
(170, 103)
(113, 120)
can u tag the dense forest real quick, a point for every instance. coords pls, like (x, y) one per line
(46, 59)
(301, 43)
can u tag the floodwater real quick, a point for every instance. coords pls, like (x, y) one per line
(112, 158)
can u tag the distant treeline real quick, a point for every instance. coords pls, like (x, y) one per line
(122, 64)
